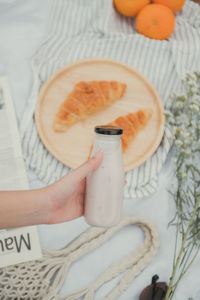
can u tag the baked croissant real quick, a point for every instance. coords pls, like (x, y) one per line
(132, 124)
(85, 99)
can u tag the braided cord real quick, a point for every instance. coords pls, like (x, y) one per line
(43, 279)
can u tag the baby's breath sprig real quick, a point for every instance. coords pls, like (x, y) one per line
(184, 120)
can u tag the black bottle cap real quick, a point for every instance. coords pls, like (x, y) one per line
(109, 130)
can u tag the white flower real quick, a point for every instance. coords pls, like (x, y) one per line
(186, 123)
(194, 107)
(184, 175)
(178, 143)
(195, 101)
(185, 134)
(179, 105)
(177, 129)
(179, 175)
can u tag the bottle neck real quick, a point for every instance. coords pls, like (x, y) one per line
(108, 138)
(107, 143)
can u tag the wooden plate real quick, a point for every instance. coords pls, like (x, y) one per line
(72, 147)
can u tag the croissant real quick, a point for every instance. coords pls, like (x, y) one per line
(132, 124)
(85, 99)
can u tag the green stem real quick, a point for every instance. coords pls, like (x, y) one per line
(182, 274)
(176, 240)
(180, 252)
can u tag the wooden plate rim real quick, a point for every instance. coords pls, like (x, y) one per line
(50, 80)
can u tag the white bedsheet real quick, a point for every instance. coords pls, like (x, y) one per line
(22, 27)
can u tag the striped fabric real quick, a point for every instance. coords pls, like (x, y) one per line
(80, 29)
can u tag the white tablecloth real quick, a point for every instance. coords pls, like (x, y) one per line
(22, 27)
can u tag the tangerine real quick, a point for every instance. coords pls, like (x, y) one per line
(174, 5)
(130, 8)
(155, 21)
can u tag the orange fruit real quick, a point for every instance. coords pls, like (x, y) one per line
(174, 5)
(155, 21)
(130, 8)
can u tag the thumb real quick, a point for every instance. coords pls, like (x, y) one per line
(87, 167)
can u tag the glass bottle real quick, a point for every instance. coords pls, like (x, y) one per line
(104, 186)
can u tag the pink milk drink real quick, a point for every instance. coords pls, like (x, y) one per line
(104, 186)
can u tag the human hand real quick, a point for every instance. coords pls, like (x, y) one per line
(65, 198)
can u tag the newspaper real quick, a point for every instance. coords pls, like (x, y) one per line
(19, 244)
